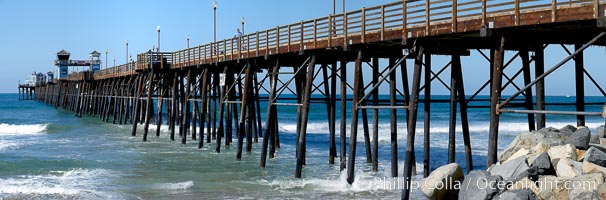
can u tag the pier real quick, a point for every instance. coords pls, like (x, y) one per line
(211, 93)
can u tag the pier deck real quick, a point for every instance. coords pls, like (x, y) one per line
(216, 86)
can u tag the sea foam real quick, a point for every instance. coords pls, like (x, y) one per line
(22, 129)
(75, 182)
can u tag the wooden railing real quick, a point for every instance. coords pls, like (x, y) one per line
(401, 19)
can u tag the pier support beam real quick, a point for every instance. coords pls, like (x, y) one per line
(354, 118)
(409, 160)
(579, 78)
(304, 116)
(343, 120)
(539, 67)
(497, 76)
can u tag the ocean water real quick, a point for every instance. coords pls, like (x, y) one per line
(47, 153)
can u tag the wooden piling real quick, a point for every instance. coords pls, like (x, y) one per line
(412, 121)
(304, 116)
(493, 132)
(579, 78)
(354, 119)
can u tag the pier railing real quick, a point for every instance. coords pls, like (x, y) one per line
(397, 20)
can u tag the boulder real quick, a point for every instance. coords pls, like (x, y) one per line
(594, 155)
(539, 148)
(524, 194)
(601, 147)
(551, 142)
(580, 154)
(601, 190)
(479, 184)
(552, 187)
(582, 187)
(568, 129)
(580, 138)
(590, 168)
(568, 168)
(520, 153)
(600, 132)
(524, 140)
(563, 151)
(548, 130)
(542, 163)
(510, 169)
(594, 139)
(525, 183)
(442, 181)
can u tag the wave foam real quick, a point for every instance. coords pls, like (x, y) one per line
(174, 186)
(364, 181)
(22, 129)
(63, 183)
(6, 145)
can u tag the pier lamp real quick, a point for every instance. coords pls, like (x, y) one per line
(126, 52)
(188, 41)
(215, 20)
(106, 51)
(114, 61)
(242, 25)
(158, 38)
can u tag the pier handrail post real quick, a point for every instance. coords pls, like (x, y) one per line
(484, 12)
(454, 16)
(554, 10)
(427, 17)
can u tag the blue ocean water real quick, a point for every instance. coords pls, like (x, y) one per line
(48, 153)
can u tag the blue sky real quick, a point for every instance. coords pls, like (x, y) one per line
(33, 31)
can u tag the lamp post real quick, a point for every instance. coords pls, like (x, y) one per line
(126, 52)
(215, 20)
(242, 25)
(343, 2)
(187, 41)
(114, 61)
(106, 51)
(158, 38)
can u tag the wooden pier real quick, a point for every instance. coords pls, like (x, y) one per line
(214, 88)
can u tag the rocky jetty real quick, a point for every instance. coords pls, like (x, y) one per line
(565, 163)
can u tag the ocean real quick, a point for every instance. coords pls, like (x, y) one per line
(48, 153)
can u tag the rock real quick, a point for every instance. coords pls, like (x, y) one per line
(543, 165)
(600, 132)
(539, 148)
(525, 183)
(479, 184)
(595, 156)
(552, 142)
(594, 139)
(568, 168)
(568, 129)
(601, 147)
(548, 130)
(601, 190)
(580, 138)
(441, 181)
(524, 140)
(520, 153)
(590, 168)
(510, 169)
(602, 141)
(580, 154)
(582, 187)
(552, 187)
(563, 151)
(524, 194)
